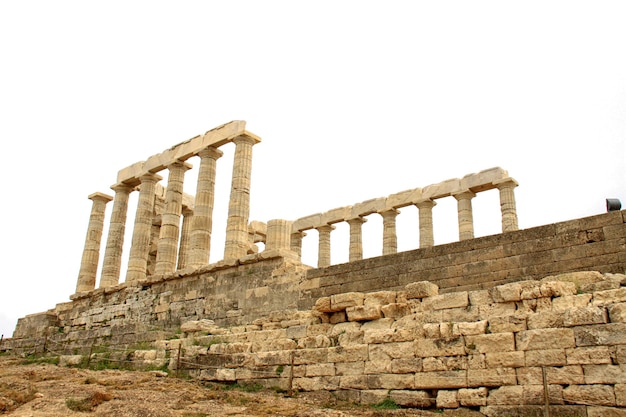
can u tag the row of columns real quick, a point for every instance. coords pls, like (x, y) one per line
(175, 249)
(426, 235)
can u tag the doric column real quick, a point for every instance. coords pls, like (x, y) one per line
(425, 208)
(237, 241)
(356, 238)
(140, 247)
(466, 218)
(296, 242)
(507, 204)
(390, 239)
(115, 241)
(323, 253)
(278, 235)
(202, 223)
(91, 252)
(183, 251)
(167, 249)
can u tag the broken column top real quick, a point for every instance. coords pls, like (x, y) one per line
(215, 137)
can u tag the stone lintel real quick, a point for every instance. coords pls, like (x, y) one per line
(506, 180)
(308, 222)
(336, 215)
(404, 198)
(214, 137)
(483, 180)
(368, 207)
(442, 189)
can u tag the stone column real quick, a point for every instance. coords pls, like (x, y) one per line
(278, 235)
(507, 204)
(237, 240)
(390, 239)
(115, 242)
(356, 238)
(140, 247)
(425, 208)
(296, 242)
(323, 255)
(91, 252)
(202, 223)
(167, 249)
(466, 218)
(183, 251)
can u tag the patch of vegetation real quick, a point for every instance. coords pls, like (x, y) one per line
(280, 369)
(36, 359)
(14, 396)
(143, 345)
(195, 415)
(208, 343)
(386, 404)
(88, 403)
(245, 387)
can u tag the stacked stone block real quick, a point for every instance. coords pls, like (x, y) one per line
(485, 348)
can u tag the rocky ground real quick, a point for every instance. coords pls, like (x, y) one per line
(41, 389)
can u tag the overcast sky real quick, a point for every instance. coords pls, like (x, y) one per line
(353, 100)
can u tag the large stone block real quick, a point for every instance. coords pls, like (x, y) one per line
(580, 316)
(605, 374)
(364, 313)
(446, 301)
(590, 394)
(488, 343)
(509, 323)
(342, 301)
(354, 353)
(542, 339)
(617, 313)
(441, 380)
(601, 334)
(453, 346)
(472, 397)
(411, 398)
(605, 412)
(421, 289)
(492, 377)
(547, 357)
(515, 359)
(447, 399)
(595, 355)
(561, 375)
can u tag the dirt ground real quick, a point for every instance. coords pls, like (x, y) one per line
(36, 390)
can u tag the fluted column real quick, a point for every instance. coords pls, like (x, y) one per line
(237, 241)
(466, 217)
(278, 235)
(356, 238)
(296, 242)
(323, 254)
(390, 239)
(202, 223)
(115, 241)
(425, 208)
(91, 252)
(507, 204)
(183, 251)
(140, 247)
(167, 248)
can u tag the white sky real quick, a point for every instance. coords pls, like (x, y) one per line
(353, 100)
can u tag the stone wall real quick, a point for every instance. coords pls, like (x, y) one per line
(591, 243)
(484, 348)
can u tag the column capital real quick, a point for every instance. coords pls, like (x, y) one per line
(210, 152)
(356, 220)
(325, 228)
(464, 195)
(180, 164)
(389, 212)
(121, 188)
(150, 176)
(247, 138)
(505, 183)
(100, 196)
(425, 203)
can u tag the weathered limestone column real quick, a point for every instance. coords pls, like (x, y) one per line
(139, 250)
(167, 249)
(296, 242)
(115, 242)
(183, 251)
(390, 239)
(425, 208)
(278, 235)
(466, 218)
(507, 204)
(202, 223)
(356, 238)
(323, 255)
(91, 252)
(237, 241)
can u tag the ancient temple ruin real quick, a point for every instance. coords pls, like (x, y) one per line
(468, 323)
